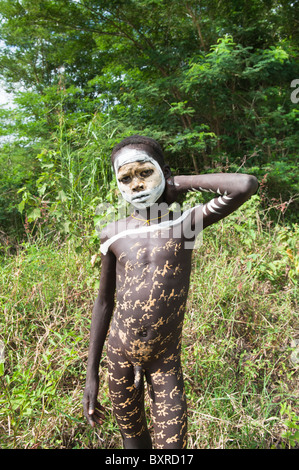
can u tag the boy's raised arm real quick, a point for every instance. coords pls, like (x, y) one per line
(101, 317)
(233, 190)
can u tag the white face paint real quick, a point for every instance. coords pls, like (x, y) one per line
(140, 178)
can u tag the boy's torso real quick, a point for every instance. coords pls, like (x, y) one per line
(152, 282)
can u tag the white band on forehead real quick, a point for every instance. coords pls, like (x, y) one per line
(128, 155)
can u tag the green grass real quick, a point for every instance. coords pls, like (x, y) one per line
(241, 318)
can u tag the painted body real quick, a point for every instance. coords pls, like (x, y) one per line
(150, 274)
(152, 282)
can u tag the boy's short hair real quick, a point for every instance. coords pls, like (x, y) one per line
(146, 143)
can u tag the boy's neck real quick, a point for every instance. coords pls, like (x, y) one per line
(151, 216)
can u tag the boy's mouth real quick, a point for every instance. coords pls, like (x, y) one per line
(141, 197)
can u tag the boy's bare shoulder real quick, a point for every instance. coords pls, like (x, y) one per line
(113, 228)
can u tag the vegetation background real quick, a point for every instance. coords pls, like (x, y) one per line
(217, 83)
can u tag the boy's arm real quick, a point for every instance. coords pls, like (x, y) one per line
(233, 190)
(101, 316)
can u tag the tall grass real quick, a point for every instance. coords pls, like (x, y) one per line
(240, 321)
(240, 324)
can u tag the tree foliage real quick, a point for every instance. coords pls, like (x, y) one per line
(210, 79)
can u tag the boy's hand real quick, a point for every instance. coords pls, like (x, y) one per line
(171, 193)
(93, 410)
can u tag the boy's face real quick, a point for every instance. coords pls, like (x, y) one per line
(140, 178)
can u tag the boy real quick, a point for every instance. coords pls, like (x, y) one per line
(146, 259)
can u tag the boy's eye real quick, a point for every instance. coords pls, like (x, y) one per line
(146, 173)
(125, 179)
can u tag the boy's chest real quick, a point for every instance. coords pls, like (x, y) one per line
(144, 264)
(151, 250)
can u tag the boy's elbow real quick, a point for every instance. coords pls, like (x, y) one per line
(250, 186)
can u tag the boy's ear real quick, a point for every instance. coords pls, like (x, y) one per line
(166, 171)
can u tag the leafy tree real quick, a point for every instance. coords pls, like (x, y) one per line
(209, 79)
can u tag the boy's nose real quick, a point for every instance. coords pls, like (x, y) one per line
(137, 185)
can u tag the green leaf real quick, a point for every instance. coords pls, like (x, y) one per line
(21, 206)
(35, 214)
(62, 196)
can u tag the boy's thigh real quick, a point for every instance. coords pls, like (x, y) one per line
(168, 404)
(127, 401)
